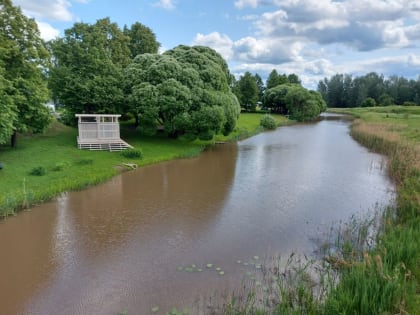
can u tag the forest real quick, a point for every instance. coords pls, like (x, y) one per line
(372, 89)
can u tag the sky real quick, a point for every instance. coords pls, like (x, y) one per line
(311, 38)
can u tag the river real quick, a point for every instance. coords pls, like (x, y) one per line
(118, 246)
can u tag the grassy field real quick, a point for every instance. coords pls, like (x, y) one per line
(67, 168)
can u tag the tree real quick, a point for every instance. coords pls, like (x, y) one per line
(293, 99)
(274, 99)
(186, 90)
(23, 62)
(248, 91)
(261, 87)
(88, 68)
(293, 78)
(8, 111)
(275, 79)
(142, 40)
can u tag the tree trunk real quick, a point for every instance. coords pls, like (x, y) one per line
(13, 139)
(136, 124)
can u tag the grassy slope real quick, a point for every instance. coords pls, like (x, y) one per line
(69, 168)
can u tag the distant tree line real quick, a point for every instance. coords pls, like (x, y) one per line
(372, 89)
(282, 94)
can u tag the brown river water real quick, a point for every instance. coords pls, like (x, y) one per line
(117, 246)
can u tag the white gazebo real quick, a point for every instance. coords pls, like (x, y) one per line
(100, 132)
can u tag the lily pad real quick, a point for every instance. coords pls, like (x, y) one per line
(245, 264)
(189, 269)
(258, 266)
(155, 309)
(180, 268)
(221, 272)
(218, 268)
(256, 257)
(239, 261)
(209, 265)
(199, 270)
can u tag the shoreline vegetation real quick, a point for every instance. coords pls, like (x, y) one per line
(45, 165)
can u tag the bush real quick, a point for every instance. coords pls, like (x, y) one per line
(38, 171)
(132, 154)
(268, 122)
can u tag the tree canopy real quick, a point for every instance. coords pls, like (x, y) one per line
(342, 90)
(293, 99)
(185, 90)
(88, 68)
(88, 65)
(23, 85)
(247, 91)
(142, 40)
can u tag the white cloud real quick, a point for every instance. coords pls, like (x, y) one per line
(361, 24)
(266, 50)
(47, 31)
(166, 4)
(58, 10)
(240, 4)
(219, 42)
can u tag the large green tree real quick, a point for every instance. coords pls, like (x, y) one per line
(88, 65)
(142, 40)
(186, 90)
(294, 100)
(23, 86)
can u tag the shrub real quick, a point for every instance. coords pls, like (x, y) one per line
(132, 154)
(38, 171)
(268, 122)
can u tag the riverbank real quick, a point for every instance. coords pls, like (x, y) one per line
(386, 280)
(44, 166)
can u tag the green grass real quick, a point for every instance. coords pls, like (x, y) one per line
(59, 166)
(392, 287)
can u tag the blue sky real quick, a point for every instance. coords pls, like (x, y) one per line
(311, 38)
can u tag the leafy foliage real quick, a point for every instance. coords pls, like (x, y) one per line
(342, 90)
(142, 39)
(295, 100)
(132, 154)
(247, 91)
(23, 87)
(88, 68)
(268, 122)
(184, 91)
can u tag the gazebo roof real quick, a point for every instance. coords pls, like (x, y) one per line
(98, 115)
